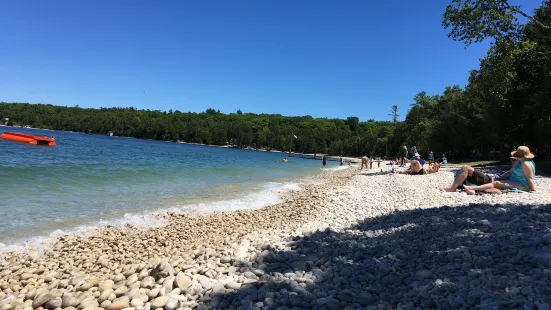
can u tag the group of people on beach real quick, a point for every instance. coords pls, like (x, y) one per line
(417, 164)
(520, 176)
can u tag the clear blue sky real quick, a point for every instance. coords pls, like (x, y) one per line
(309, 57)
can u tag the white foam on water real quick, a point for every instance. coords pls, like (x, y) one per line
(37, 245)
(265, 195)
(335, 168)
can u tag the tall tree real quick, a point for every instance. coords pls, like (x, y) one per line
(394, 114)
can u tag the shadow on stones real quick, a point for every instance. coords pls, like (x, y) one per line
(489, 257)
(376, 173)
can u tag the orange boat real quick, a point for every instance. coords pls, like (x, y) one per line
(31, 139)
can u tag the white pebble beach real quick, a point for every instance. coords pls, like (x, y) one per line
(357, 240)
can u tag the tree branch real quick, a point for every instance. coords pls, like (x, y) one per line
(519, 11)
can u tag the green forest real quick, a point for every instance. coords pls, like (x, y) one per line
(506, 103)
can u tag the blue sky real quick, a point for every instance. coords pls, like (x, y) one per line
(319, 58)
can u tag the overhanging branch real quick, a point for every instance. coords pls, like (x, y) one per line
(522, 13)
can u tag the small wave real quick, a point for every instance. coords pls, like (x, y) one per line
(268, 194)
(37, 245)
(265, 195)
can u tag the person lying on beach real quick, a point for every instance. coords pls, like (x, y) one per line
(519, 177)
(471, 175)
(433, 167)
(415, 168)
(393, 162)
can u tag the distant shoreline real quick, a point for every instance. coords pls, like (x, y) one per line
(301, 155)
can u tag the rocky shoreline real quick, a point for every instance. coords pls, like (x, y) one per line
(358, 241)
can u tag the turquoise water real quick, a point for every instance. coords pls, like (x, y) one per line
(89, 180)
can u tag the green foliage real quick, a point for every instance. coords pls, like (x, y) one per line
(507, 101)
(473, 21)
(336, 136)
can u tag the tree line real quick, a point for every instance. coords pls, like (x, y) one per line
(313, 135)
(506, 103)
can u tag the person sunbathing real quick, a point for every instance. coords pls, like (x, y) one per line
(433, 167)
(415, 168)
(519, 177)
(469, 174)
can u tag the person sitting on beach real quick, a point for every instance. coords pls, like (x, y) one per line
(444, 160)
(419, 159)
(519, 177)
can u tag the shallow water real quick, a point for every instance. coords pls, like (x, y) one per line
(90, 180)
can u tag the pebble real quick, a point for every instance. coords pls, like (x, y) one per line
(120, 303)
(41, 299)
(53, 303)
(159, 302)
(105, 285)
(69, 301)
(137, 302)
(88, 303)
(233, 285)
(171, 304)
(153, 292)
(147, 282)
(183, 282)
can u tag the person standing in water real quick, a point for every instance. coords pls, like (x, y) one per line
(324, 160)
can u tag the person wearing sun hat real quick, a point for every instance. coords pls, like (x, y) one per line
(519, 177)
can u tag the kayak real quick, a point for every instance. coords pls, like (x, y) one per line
(25, 138)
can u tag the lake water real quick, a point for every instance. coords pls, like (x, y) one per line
(88, 181)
